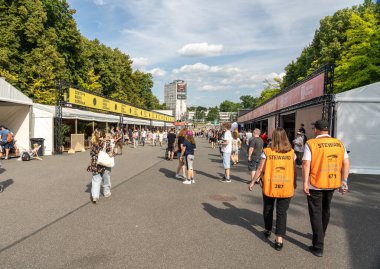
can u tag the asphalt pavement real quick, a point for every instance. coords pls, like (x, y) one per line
(152, 220)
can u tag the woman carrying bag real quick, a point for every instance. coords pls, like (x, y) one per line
(279, 182)
(102, 159)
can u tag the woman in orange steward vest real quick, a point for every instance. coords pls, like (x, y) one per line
(279, 182)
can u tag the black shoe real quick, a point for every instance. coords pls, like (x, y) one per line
(267, 233)
(278, 246)
(316, 251)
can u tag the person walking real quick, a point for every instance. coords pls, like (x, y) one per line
(187, 153)
(100, 174)
(181, 163)
(135, 136)
(160, 136)
(298, 148)
(118, 137)
(171, 140)
(255, 148)
(279, 182)
(143, 137)
(325, 167)
(236, 145)
(226, 149)
(154, 138)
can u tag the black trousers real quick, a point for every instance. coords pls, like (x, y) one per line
(282, 205)
(319, 211)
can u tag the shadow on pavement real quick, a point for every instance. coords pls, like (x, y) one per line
(235, 178)
(88, 188)
(207, 175)
(247, 219)
(235, 216)
(6, 183)
(169, 174)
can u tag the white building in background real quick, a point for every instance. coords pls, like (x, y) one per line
(175, 98)
(227, 116)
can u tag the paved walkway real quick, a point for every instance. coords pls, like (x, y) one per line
(152, 220)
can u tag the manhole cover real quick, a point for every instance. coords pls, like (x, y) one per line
(223, 198)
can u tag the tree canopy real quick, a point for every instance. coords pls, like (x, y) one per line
(40, 43)
(349, 39)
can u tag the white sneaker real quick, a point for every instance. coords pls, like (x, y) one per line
(107, 194)
(187, 182)
(178, 176)
(192, 181)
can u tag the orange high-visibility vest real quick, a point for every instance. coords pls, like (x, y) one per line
(327, 155)
(278, 181)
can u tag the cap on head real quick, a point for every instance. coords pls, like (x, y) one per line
(189, 132)
(321, 125)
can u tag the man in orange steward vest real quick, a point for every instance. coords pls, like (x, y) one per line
(325, 167)
(279, 181)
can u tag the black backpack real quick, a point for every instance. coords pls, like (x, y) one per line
(25, 156)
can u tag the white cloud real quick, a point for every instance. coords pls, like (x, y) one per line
(248, 39)
(140, 62)
(200, 49)
(194, 68)
(157, 72)
(99, 2)
(212, 88)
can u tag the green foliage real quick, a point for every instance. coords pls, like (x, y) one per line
(199, 114)
(213, 114)
(360, 62)
(248, 101)
(271, 88)
(228, 106)
(350, 40)
(40, 43)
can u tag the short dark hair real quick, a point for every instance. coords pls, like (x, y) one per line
(321, 125)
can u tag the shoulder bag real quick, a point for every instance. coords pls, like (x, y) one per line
(104, 159)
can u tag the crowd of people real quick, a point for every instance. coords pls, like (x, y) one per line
(272, 163)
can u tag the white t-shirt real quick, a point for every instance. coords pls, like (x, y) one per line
(307, 157)
(298, 143)
(227, 137)
(248, 136)
(143, 134)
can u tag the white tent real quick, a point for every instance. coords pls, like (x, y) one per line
(357, 125)
(15, 110)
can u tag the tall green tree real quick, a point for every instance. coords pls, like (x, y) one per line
(248, 101)
(271, 88)
(360, 62)
(40, 43)
(228, 106)
(213, 114)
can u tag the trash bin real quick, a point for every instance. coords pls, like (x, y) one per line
(39, 141)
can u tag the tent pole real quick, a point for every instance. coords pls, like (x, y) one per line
(76, 126)
(93, 126)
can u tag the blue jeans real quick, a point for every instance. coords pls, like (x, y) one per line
(101, 179)
(143, 141)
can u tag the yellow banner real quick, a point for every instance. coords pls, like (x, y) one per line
(80, 98)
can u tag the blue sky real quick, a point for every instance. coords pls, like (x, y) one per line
(222, 48)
